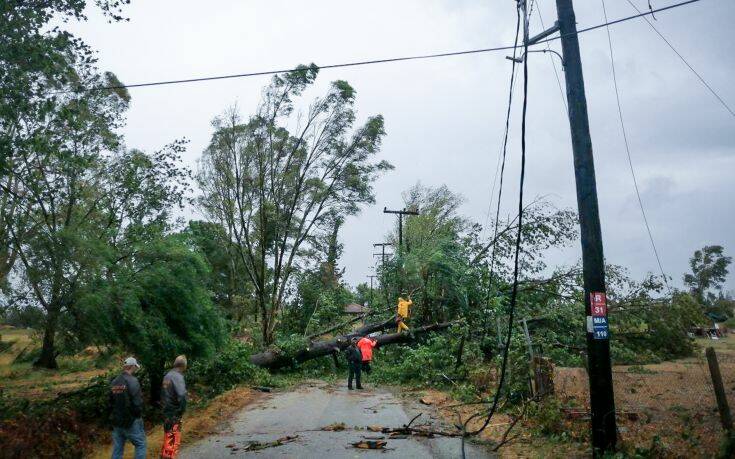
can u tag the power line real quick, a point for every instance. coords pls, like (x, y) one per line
(367, 62)
(514, 293)
(627, 150)
(503, 150)
(551, 58)
(700, 77)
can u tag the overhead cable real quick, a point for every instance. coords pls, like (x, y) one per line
(361, 63)
(697, 74)
(627, 150)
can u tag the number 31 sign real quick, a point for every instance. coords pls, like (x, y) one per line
(598, 304)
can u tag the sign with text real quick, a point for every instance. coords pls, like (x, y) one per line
(600, 328)
(598, 308)
(598, 304)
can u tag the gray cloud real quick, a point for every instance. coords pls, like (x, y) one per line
(445, 117)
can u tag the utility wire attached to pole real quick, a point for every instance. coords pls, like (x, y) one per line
(700, 77)
(354, 64)
(627, 151)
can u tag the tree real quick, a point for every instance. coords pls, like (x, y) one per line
(275, 190)
(709, 271)
(231, 289)
(159, 307)
(37, 62)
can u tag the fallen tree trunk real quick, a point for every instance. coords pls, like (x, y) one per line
(272, 359)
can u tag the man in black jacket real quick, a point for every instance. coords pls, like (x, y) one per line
(126, 402)
(354, 360)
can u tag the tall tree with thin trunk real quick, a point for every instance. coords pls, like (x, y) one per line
(276, 179)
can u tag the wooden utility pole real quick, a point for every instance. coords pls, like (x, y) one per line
(382, 245)
(722, 406)
(400, 213)
(602, 400)
(371, 289)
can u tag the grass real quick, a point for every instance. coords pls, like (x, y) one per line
(198, 423)
(25, 381)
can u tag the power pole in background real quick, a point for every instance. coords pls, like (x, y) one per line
(400, 213)
(382, 245)
(602, 400)
(371, 289)
(382, 255)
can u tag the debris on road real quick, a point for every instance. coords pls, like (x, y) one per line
(370, 444)
(257, 445)
(335, 427)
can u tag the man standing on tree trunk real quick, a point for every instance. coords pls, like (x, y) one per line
(404, 308)
(173, 399)
(126, 401)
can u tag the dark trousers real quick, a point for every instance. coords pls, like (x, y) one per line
(366, 366)
(355, 371)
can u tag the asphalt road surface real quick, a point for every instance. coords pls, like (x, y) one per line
(304, 412)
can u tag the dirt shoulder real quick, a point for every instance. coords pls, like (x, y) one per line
(197, 424)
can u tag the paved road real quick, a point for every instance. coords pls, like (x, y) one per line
(305, 411)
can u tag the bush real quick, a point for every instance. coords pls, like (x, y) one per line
(427, 363)
(229, 367)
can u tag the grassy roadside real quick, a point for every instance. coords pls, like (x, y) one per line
(21, 379)
(198, 422)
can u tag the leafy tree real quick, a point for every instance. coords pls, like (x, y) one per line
(228, 282)
(709, 271)
(38, 62)
(90, 213)
(159, 307)
(275, 190)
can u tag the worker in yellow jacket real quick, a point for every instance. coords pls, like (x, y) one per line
(404, 308)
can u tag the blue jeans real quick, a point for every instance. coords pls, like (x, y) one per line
(135, 433)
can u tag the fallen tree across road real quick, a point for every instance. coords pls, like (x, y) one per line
(273, 359)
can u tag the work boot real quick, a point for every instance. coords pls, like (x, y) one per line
(350, 387)
(359, 387)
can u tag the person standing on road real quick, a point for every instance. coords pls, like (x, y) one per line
(173, 399)
(366, 345)
(354, 362)
(126, 403)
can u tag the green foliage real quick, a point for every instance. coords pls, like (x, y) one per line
(709, 271)
(228, 368)
(278, 191)
(160, 307)
(429, 363)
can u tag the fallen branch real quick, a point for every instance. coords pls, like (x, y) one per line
(336, 327)
(273, 359)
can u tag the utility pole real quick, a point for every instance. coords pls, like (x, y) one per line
(400, 213)
(382, 245)
(602, 400)
(371, 289)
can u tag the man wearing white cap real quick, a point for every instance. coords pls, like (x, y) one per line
(126, 400)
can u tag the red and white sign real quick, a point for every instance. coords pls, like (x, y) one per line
(598, 304)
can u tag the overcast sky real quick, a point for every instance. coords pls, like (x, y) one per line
(444, 117)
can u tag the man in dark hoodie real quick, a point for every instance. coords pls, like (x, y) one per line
(354, 361)
(126, 402)
(173, 398)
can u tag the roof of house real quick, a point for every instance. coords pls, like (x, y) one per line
(355, 308)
